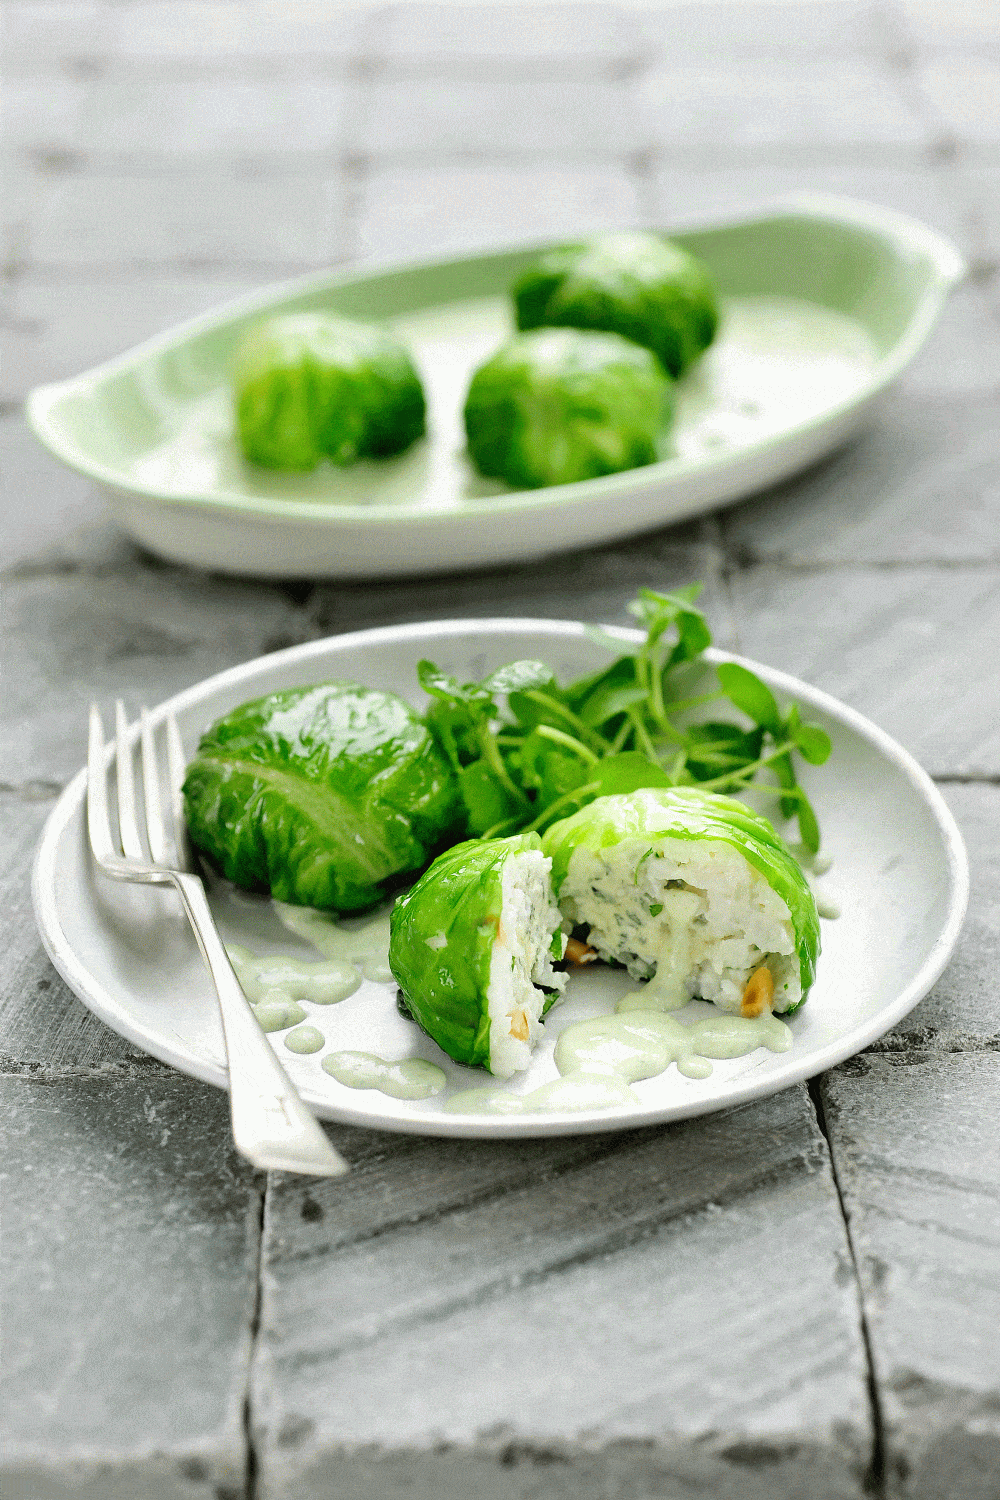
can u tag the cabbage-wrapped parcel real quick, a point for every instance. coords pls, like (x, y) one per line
(323, 795)
(558, 406)
(472, 947)
(310, 386)
(636, 284)
(693, 888)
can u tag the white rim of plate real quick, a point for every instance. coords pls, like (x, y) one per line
(71, 804)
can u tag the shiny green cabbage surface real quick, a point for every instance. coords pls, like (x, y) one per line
(323, 795)
(460, 898)
(655, 814)
(638, 285)
(557, 406)
(312, 386)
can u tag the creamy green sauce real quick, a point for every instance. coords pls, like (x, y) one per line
(410, 1078)
(271, 978)
(667, 989)
(826, 908)
(598, 1059)
(304, 1039)
(637, 1045)
(366, 947)
(278, 1015)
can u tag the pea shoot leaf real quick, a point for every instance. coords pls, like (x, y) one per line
(518, 677)
(627, 772)
(487, 801)
(528, 751)
(659, 612)
(745, 690)
(808, 824)
(813, 744)
(440, 685)
(609, 701)
(714, 749)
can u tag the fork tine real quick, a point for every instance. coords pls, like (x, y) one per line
(128, 824)
(98, 822)
(158, 846)
(176, 768)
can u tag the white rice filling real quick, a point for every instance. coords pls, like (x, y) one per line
(692, 912)
(521, 960)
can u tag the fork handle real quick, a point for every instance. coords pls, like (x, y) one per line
(271, 1126)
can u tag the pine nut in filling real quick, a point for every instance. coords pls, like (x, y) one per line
(759, 993)
(580, 953)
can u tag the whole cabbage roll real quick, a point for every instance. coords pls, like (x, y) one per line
(635, 284)
(312, 386)
(693, 888)
(472, 946)
(557, 406)
(323, 795)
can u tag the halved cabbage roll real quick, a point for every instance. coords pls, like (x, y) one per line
(472, 947)
(693, 888)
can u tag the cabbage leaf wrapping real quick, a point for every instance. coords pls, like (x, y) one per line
(442, 933)
(311, 386)
(635, 284)
(324, 795)
(655, 814)
(557, 406)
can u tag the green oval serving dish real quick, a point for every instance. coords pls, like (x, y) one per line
(824, 303)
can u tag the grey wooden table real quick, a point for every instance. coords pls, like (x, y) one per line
(796, 1298)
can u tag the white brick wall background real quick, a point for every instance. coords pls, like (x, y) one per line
(795, 1298)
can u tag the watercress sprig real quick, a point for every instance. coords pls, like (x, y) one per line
(548, 749)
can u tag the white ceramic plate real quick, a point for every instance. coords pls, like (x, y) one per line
(824, 303)
(899, 875)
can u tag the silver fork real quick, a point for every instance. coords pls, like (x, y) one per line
(271, 1126)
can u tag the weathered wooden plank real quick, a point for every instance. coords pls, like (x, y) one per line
(552, 40)
(912, 647)
(729, 112)
(172, 36)
(218, 214)
(960, 26)
(671, 1312)
(962, 91)
(43, 1026)
(752, 29)
(129, 1290)
(139, 632)
(915, 488)
(721, 187)
(405, 212)
(594, 585)
(962, 1011)
(42, 503)
(914, 1144)
(155, 125)
(571, 118)
(58, 330)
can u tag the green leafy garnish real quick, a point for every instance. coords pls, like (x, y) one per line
(550, 750)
